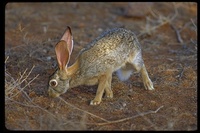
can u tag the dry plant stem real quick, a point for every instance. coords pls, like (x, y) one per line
(194, 25)
(179, 76)
(82, 110)
(19, 82)
(33, 104)
(193, 41)
(152, 124)
(163, 22)
(6, 59)
(180, 40)
(111, 122)
(22, 76)
(152, 29)
(125, 119)
(38, 105)
(25, 86)
(187, 24)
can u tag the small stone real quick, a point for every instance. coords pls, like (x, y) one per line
(153, 102)
(100, 29)
(124, 104)
(130, 90)
(44, 50)
(51, 105)
(45, 29)
(49, 58)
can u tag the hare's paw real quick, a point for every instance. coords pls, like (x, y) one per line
(95, 102)
(148, 85)
(109, 94)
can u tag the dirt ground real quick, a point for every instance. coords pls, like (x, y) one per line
(168, 36)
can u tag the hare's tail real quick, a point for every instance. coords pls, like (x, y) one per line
(124, 74)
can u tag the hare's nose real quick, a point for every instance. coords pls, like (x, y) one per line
(52, 93)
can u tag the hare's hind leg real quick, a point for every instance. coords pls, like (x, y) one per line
(103, 84)
(146, 80)
(138, 64)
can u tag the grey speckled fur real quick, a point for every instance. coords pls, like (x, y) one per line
(109, 50)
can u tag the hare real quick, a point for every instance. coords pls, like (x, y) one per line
(114, 50)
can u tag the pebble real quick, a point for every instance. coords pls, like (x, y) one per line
(124, 104)
(44, 50)
(100, 29)
(48, 58)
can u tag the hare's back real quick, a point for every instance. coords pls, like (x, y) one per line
(109, 51)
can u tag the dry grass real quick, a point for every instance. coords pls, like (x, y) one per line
(157, 20)
(22, 101)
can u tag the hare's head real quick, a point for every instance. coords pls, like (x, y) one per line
(59, 81)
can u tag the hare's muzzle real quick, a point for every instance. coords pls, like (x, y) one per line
(52, 93)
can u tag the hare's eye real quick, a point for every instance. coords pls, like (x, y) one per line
(53, 83)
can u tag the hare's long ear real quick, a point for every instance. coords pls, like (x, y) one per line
(67, 37)
(62, 54)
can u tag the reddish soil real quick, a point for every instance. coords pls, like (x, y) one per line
(33, 29)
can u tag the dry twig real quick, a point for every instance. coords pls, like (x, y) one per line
(179, 38)
(195, 26)
(179, 76)
(6, 59)
(83, 110)
(164, 20)
(125, 119)
(110, 122)
(152, 124)
(11, 86)
(19, 82)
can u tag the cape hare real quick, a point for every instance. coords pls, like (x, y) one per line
(114, 50)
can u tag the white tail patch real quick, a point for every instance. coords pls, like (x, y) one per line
(124, 74)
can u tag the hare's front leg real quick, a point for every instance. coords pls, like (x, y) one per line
(109, 92)
(100, 90)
